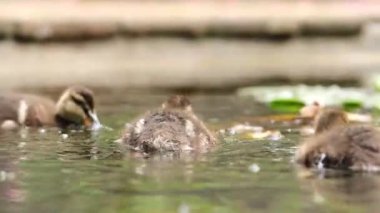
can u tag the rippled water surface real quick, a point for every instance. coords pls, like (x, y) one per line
(42, 172)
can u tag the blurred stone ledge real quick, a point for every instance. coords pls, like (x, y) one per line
(177, 63)
(82, 20)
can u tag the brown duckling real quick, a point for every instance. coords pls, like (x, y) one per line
(74, 108)
(339, 145)
(173, 127)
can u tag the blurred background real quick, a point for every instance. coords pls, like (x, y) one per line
(188, 44)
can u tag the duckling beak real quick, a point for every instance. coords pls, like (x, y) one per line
(92, 121)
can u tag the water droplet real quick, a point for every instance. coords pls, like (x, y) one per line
(254, 168)
(184, 208)
(65, 136)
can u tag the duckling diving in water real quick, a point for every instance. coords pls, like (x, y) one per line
(173, 127)
(75, 107)
(340, 145)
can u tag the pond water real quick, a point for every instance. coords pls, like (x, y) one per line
(40, 171)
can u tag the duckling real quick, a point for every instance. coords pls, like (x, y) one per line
(173, 127)
(75, 107)
(310, 111)
(339, 145)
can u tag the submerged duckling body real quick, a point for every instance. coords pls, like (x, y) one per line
(173, 127)
(339, 145)
(75, 108)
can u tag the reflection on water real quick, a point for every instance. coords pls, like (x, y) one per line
(41, 171)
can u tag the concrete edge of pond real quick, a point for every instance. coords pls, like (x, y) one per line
(184, 64)
(44, 20)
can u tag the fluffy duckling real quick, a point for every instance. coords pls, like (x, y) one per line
(173, 127)
(339, 145)
(74, 108)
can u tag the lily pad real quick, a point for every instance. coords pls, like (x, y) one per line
(291, 105)
(292, 98)
(352, 105)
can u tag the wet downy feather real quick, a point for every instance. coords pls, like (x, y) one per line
(340, 145)
(173, 127)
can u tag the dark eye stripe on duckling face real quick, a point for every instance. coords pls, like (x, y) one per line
(82, 104)
(88, 99)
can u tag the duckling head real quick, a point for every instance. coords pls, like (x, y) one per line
(76, 105)
(310, 111)
(178, 102)
(328, 118)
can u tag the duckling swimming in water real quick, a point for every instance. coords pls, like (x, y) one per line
(75, 108)
(173, 127)
(339, 145)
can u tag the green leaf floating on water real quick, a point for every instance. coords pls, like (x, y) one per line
(292, 98)
(286, 105)
(352, 105)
